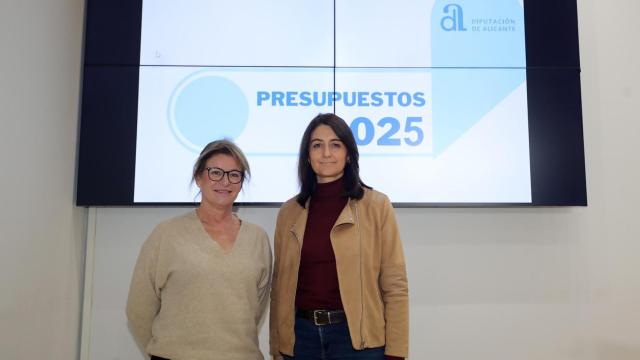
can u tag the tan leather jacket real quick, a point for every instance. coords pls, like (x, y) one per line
(371, 274)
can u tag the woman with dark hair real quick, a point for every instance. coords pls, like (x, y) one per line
(201, 282)
(339, 283)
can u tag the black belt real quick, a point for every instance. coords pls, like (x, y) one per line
(322, 317)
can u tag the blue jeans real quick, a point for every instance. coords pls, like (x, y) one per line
(328, 342)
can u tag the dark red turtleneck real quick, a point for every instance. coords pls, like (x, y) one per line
(318, 276)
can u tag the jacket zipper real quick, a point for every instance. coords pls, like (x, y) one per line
(297, 272)
(362, 342)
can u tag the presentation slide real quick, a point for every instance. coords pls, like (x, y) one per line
(434, 92)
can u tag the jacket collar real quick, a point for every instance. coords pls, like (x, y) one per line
(346, 217)
(301, 222)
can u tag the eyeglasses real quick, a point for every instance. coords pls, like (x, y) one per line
(216, 174)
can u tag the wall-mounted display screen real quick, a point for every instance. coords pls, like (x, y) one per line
(451, 102)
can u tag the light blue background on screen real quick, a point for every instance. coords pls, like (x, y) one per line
(478, 55)
(467, 40)
(206, 108)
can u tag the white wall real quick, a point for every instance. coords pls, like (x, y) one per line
(554, 283)
(41, 249)
(609, 245)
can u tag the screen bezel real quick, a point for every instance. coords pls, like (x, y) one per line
(108, 125)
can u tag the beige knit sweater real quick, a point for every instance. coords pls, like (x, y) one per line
(190, 300)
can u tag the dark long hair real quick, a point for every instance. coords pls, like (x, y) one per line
(353, 186)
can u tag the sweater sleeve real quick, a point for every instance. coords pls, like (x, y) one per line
(274, 336)
(264, 283)
(393, 285)
(143, 302)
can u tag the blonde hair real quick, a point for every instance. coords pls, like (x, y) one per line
(226, 147)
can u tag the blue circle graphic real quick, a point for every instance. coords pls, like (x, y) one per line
(208, 108)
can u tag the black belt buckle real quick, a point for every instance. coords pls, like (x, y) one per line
(319, 319)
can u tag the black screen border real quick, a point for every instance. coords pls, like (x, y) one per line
(108, 125)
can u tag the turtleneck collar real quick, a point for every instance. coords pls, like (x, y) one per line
(333, 189)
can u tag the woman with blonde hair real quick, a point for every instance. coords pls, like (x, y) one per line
(201, 282)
